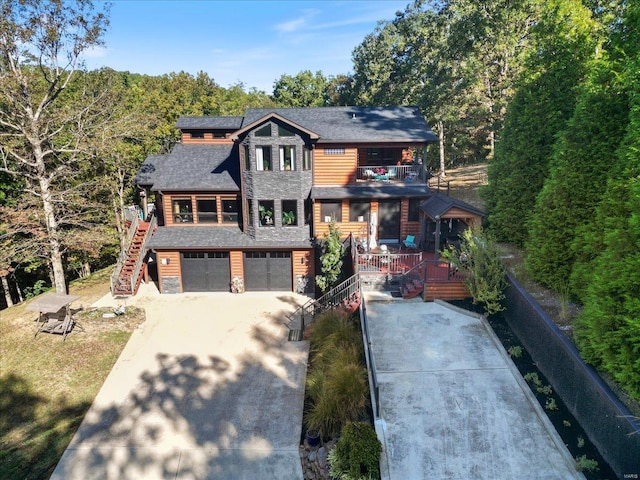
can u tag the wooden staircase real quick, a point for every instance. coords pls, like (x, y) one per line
(411, 287)
(125, 285)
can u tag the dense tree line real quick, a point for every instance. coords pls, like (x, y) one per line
(564, 182)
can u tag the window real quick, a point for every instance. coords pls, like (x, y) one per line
(359, 211)
(182, 211)
(285, 132)
(414, 209)
(308, 211)
(245, 154)
(219, 135)
(331, 210)
(264, 131)
(230, 211)
(263, 158)
(265, 208)
(334, 151)
(289, 213)
(306, 159)
(207, 210)
(288, 157)
(197, 134)
(250, 210)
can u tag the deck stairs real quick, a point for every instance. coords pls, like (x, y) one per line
(412, 281)
(129, 271)
(346, 297)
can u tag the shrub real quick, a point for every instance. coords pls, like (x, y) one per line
(357, 453)
(337, 387)
(584, 464)
(480, 257)
(338, 392)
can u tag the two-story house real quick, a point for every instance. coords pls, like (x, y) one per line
(242, 200)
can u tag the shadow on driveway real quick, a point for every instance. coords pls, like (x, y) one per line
(207, 388)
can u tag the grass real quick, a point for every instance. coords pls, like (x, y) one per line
(47, 384)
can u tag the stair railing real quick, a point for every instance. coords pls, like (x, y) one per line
(132, 215)
(332, 299)
(153, 222)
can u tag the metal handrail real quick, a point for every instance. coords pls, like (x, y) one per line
(333, 298)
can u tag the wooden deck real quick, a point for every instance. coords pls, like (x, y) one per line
(441, 280)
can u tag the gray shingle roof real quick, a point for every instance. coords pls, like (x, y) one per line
(212, 123)
(194, 167)
(438, 204)
(213, 237)
(369, 190)
(148, 170)
(355, 124)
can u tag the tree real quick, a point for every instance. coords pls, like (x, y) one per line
(45, 131)
(455, 59)
(302, 90)
(479, 258)
(331, 259)
(583, 161)
(562, 44)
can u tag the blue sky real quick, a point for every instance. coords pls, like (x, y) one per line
(248, 41)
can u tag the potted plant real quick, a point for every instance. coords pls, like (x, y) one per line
(266, 215)
(288, 218)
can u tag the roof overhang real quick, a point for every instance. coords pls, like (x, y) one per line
(271, 116)
(438, 205)
(328, 192)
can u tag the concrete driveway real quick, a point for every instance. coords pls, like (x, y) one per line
(453, 405)
(207, 388)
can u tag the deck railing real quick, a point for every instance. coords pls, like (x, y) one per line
(391, 173)
(386, 263)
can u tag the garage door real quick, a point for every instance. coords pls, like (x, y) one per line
(267, 271)
(205, 271)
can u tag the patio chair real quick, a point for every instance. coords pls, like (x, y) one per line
(410, 242)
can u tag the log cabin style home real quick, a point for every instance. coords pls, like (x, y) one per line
(241, 203)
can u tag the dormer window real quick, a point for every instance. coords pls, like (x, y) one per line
(197, 134)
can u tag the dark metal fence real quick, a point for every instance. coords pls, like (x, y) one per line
(608, 423)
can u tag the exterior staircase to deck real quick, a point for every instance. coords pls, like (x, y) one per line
(125, 285)
(129, 271)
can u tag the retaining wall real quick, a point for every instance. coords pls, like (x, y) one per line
(608, 423)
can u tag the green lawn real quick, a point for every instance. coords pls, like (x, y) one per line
(47, 385)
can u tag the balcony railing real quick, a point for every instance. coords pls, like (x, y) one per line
(391, 173)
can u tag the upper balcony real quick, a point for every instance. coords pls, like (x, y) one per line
(391, 173)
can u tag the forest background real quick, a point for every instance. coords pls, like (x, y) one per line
(545, 91)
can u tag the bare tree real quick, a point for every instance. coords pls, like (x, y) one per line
(44, 120)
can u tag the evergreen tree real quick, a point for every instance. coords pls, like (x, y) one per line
(584, 159)
(563, 42)
(608, 329)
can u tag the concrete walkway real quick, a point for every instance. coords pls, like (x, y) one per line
(453, 405)
(207, 388)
